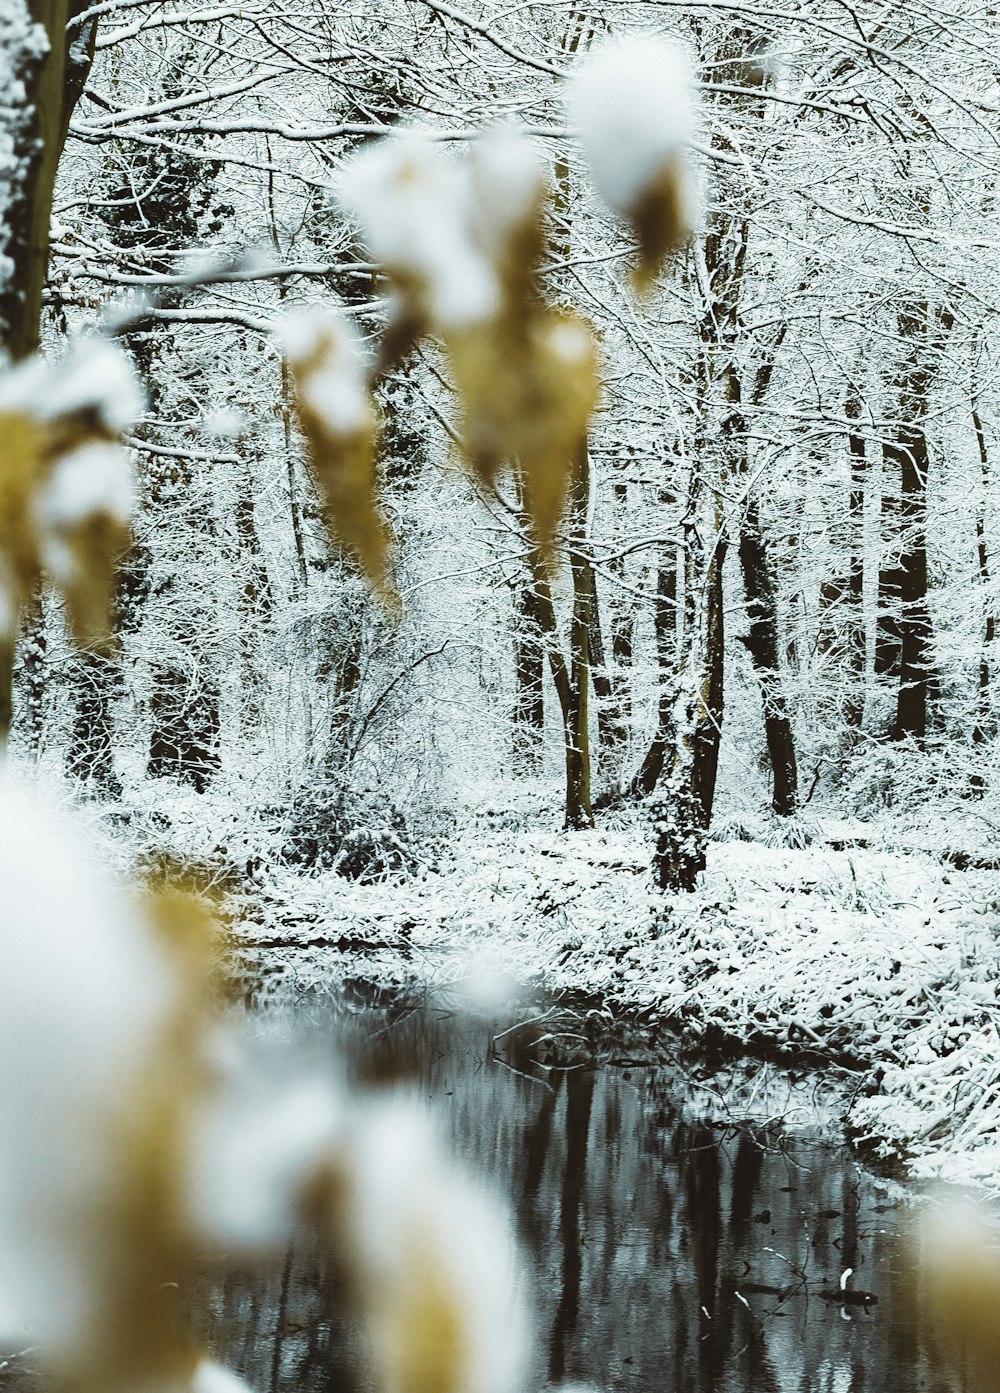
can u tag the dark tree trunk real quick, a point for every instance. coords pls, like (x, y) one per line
(33, 649)
(762, 643)
(923, 332)
(577, 713)
(682, 810)
(529, 673)
(622, 624)
(888, 635)
(914, 615)
(665, 629)
(53, 77)
(983, 725)
(341, 671)
(257, 600)
(184, 742)
(854, 709)
(612, 731)
(708, 731)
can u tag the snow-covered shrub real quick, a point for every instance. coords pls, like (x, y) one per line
(361, 837)
(794, 833)
(735, 828)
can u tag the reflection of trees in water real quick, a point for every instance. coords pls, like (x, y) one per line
(282, 1330)
(643, 1225)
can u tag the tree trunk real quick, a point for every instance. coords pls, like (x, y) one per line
(529, 671)
(854, 708)
(762, 643)
(982, 728)
(708, 728)
(888, 636)
(90, 757)
(34, 133)
(914, 617)
(923, 332)
(612, 731)
(183, 742)
(665, 630)
(53, 82)
(576, 723)
(622, 624)
(682, 810)
(33, 648)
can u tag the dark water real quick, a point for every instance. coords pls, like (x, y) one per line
(677, 1242)
(674, 1244)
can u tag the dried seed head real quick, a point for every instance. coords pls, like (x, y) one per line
(413, 204)
(961, 1275)
(83, 512)
(633, 105)
(462, 242)
(527, 396)
(65, 482)
(339, 422)
(438, 1271)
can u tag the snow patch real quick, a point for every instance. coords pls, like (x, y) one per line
(633, 106)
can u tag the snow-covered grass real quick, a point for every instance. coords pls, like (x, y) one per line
(877, 960)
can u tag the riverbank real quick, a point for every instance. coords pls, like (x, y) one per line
(871, 955)
(872, 962)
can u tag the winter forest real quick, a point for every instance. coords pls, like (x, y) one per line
(500, 808)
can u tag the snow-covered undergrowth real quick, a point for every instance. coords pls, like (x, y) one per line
(879, 961)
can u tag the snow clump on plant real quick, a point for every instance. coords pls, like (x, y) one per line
(633, 104)
(414, 206)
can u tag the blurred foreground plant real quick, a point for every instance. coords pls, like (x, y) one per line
(462, 242)
(959, 1263)
(139, 1134)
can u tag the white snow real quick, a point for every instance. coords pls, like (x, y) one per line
(633, 105)
(92, 480)
(328, 356)
(94, 376)
(508, 183)
(570, 341)
(881, 960)
(210, 1377)
(414, 205)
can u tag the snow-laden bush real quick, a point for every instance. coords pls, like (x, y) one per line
(795, 833)
(358, 835)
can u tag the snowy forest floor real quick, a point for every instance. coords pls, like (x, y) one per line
(873, 960)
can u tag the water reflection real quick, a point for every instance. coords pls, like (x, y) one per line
(670, 1249)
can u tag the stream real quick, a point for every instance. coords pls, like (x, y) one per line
(685, 1231)
(678, 1238)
